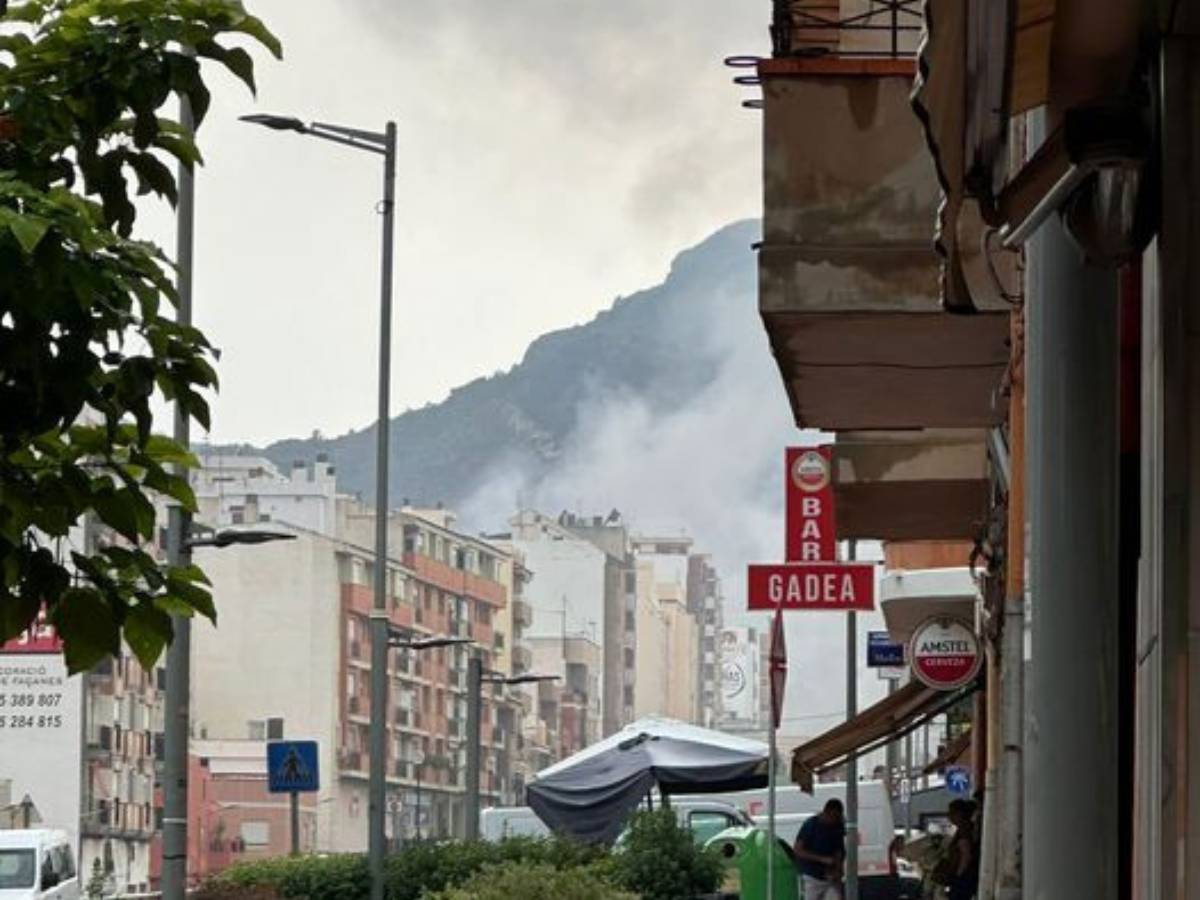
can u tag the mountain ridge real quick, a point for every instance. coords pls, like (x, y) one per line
(656, 345)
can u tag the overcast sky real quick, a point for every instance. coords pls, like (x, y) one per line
(553, 155)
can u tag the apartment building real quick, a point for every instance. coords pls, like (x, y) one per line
(706, 602)
(619, 646)
(122, 754)
(669, 634)
(292, 644)
(570, 634)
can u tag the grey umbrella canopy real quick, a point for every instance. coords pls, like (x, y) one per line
(590, 795)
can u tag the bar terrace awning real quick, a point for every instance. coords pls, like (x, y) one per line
(951, 753)
(892, 717)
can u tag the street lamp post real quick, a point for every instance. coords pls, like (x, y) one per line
(476, 676)
(178, 689)
(383, 144)
(179, 520)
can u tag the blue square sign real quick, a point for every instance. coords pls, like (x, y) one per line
(882, 651)
(292, 767)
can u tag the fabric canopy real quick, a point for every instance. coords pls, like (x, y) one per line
(591, 794)
(891, 717)
(951, 753)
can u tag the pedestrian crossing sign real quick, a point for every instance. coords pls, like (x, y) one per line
(292, 767)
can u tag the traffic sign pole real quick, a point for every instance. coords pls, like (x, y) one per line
(295, 803)
(778, 678)
(851, 873)
(771, 748)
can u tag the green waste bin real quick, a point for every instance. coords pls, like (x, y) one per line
(744, 852)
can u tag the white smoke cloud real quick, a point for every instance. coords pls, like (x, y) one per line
(713, 468)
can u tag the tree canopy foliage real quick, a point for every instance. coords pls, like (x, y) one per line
(88, 338)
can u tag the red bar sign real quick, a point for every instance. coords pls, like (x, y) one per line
(836, 587)
(811, 533)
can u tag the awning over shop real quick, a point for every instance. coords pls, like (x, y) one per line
(892, 717)
(950, 754)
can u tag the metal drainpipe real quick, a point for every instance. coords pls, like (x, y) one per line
(1070, 841)
(1009, 812)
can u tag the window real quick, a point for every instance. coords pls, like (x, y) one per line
(256, 730)
(17, 869)
(483, 613)
(706, 824)
(64, 862)
(256, 834)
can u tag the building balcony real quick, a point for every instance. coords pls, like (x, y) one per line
(522, 658)
(868, 28)
(848, 278)
(522, 614)
(923, 485)
(352, 761)
(455, 580)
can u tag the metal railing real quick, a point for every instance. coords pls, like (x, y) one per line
(880, 28)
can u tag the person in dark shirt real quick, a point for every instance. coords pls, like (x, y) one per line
(820, 852)
(964, 854)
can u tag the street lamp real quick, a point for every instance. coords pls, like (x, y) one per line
(178, 688)
(476, 676)
(398, 640)
(231, 537)
(383, 144)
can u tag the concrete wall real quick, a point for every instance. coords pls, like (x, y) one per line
(681, 652)
(567, 591)
(275, 651)
(649, 693)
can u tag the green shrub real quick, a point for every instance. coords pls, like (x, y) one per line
(533, 881)
(341, 877)
(659, 860)
(218, 890)
(416, 870)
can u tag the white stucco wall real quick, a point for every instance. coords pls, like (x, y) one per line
(274, 652)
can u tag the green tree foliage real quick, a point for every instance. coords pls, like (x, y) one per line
(87, 338)
(659, 860)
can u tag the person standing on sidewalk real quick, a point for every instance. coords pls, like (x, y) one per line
(821, 853)
(963, 855)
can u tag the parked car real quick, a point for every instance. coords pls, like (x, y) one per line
(37, 864)
(702, 816)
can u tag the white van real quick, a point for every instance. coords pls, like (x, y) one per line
(37, 864)
(793, 807)
(499, 822)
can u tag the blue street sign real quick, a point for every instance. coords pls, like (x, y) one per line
(292, 767)
(958, 781)
(882, 651)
